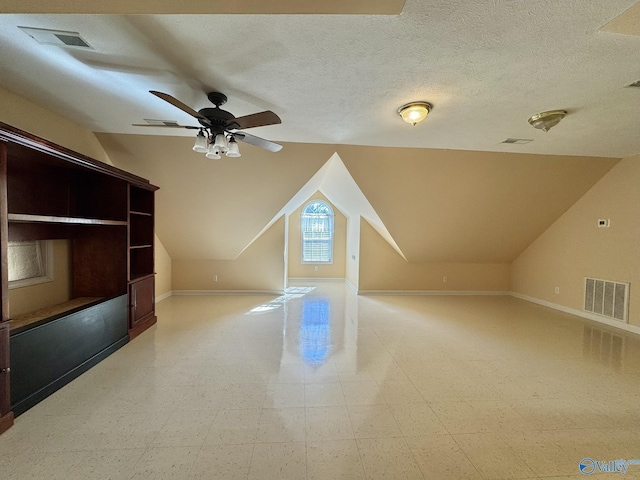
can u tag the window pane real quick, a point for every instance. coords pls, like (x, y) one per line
(317, 232)
(25, 260)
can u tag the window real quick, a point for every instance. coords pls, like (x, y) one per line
(316, 225)
(29, 263)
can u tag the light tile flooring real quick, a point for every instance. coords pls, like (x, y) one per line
(323, 384)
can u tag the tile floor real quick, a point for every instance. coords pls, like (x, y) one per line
(323, 384)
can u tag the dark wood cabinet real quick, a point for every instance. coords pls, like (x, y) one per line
(107, 216)
(6, 416)
(142, 308)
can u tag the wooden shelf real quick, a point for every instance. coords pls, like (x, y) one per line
(33, 318)
(141, 276)
(27, 218)
(145, 214)
(133, 247)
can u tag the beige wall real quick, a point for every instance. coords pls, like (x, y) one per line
(259, 267)
(352, 270)
(574, 247)
(307, 270)
(381, 268)
(162, 262)
(19, 112)
(28, 299)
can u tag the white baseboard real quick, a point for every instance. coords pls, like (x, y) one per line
(316, 279)
(579, 313)
(432, 292)
(228, 292)
(159, 298)
(351, 286)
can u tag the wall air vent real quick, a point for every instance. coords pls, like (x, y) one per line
(517, 141)
(606, 298)
(59, 38)
(634, 84)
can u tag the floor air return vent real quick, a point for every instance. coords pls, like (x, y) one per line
(606, 298)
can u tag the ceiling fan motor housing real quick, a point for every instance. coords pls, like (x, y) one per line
(217, 117)
(217, 98)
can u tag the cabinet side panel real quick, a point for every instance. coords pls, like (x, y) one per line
(4, 235)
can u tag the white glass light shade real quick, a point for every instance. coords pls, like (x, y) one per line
(414, 112)
(545, 120)
(201, 143)
(213, 153)
(221, 142)
(234, 150)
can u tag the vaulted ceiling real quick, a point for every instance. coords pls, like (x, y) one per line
(448, 190)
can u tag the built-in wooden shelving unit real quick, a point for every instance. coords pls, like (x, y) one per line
(107, 215)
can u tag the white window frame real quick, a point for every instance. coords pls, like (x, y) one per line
(302, 234)
(44, 254)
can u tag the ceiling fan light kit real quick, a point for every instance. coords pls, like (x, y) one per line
(234, 150)
(415, 112)
(546, 120)
(219, 130)
(201, 143)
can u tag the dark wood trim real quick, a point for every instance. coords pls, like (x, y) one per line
(20, 137)
(6, 421)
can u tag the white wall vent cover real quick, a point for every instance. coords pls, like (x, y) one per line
(607, 298)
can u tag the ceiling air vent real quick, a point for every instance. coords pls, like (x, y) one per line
(56, 37)
(517, 141)
(634, 84)
(162, 123)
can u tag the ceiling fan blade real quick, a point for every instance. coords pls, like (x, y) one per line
(165, 126)
(261, 119)
(178, 104)
(257, 141)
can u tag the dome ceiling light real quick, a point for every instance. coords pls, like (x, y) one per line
(414, 112)
(545, 120)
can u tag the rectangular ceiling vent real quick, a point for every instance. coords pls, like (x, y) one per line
(606, 298)
(634, 84)
(59, 38)
(166, 123)
(517, 141)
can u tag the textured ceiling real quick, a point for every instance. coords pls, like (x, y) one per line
(338, 79)
(376, 7)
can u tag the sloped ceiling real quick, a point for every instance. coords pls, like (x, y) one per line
(438, 205)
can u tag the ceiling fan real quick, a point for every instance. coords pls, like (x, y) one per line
(219, 129)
